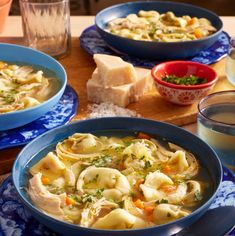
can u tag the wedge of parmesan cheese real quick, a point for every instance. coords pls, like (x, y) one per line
(119, 95)
(114, 71)
(143, 84)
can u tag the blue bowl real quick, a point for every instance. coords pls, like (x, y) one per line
(34, 151)
(19, 54)
(156, 50)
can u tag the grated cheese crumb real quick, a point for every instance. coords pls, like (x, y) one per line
(107, 109)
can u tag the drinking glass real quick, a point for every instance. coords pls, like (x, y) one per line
(230, 63)
(46, 25)
(216, 124)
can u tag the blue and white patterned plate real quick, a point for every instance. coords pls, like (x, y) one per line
(91, 41)
(15, 220)
(61, 114)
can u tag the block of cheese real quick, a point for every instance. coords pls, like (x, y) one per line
(143, 84)
(114, 71)
(119, 95)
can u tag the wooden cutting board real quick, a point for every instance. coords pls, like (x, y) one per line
(79, 67)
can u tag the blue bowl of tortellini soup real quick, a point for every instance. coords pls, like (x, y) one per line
(158, 29)
(117, 176)
(31, 83)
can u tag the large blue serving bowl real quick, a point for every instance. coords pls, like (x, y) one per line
(23, 55)
(156, 50)
(34, 151)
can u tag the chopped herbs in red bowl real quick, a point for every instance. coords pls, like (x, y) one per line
(183, 82)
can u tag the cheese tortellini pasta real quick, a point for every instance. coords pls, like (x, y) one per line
(117, 183)
(166, 27)
(22, 87)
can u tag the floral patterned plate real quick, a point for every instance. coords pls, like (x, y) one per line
(15, 220)
(61, 114)
(91, 41)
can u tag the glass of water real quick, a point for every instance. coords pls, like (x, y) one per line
(216, 124)
(46, 25)
(230, 63)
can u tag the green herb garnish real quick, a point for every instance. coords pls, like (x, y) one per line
(102, 161)
(185, 80)
(94, 180)
(121, 204)
(147, 164)
(91, 197)
(162, 201)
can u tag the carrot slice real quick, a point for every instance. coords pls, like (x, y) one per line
(69, 201)
(198, 33)
(143, 136)
(138, 203)
(167, 169)
(148, 209)
(192, 21)
(45, 180)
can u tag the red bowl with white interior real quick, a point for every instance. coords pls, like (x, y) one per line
(183, 94)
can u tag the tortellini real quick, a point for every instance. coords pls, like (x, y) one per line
(153, 188)
(79, 147)
(116, 182)
(119, 219)
(49, 166)
(21, 87)
(164, 213)
(178, 161)
(89, 214)
(153, 183)
(111, 180)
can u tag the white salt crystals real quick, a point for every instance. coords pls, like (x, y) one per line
(107, 109)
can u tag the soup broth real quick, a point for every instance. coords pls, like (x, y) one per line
(117, 181)
(24, 86)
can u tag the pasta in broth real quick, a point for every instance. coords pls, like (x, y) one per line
(116, 183)
(22, 87)
(166, 27)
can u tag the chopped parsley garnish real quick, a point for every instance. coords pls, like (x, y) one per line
(121, 204)
(74, 197)
(187, 177)
(8, 96)
(94, 180)
(198, 196)
(185, 80)
(91, 197)
(162, 201)
(147, 164)
(127, 143)
(179, 181)
(117, 149)
(102, 161)
(9, 99)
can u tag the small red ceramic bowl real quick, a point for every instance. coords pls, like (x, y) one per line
(183, 94)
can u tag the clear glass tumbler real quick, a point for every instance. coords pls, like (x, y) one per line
(46, 25)
(216, 124)
(230, 63)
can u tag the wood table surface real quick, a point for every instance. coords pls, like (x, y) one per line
(79, 66)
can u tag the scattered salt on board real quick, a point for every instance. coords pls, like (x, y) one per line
(107, 109)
